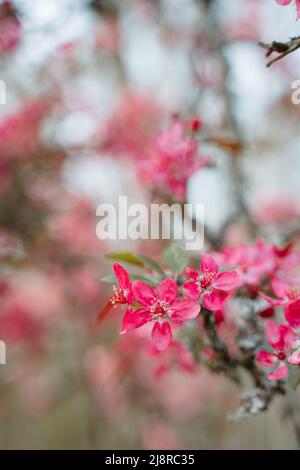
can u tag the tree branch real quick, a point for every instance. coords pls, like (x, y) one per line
(281, 48)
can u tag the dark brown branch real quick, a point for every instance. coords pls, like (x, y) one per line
(282, 49)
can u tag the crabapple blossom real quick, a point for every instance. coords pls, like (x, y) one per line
(123, 294)
(171, 160)
(282, 339)
(161, 306)
(216, 285)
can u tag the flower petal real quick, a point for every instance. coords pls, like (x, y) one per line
(192, 273)
(214, 300)
(292, 313)
(280, 287)
(208, 265)
(294, 358)
(279, 373)
(134, 319)
(274, 302)
(161, 335)
(192, 290)
(227, 280)
(266, 358)
(122, 276)
(288, 337)
(184, 310)
(273, 334)
(143, 293)
(284, 2)
(167, 290)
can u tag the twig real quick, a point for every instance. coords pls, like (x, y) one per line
(281, 48)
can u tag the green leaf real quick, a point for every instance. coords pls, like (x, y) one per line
(176, 259)
(151, 264)
(110, 279)
(126, 257)
(294, 377)
(137, 277)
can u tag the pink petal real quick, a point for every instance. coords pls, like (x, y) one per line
(192, 290)
(184, 310)
(273, 334)
(161, 335)
(134, 319)
(298, 8)
(284, 2)
(214, 300)
(271, 300)
(288, 337)
(143, 293)
(192, 273)
(292, 313)
(265, 358)
(280, 287)
(122, 276)
(279, 373)
(294, 359)
(167, 290)
(208, 265)
(227, 280)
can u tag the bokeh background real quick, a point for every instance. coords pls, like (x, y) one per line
(88, 85)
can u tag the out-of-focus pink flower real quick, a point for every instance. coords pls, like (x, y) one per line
(130, 128)
(284, 291)
(171, 160)
(20, 131)
(85, 285)
(292, 314)
(17, 326)
(253, 261)
(282, 339)
(10, 28)
(161, 306)
(288, 2)
(277, 211)
(214, 284)
(176, 355)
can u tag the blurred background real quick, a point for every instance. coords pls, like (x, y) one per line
(89, 84)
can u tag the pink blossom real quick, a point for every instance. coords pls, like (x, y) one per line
(284, 291)
(254, 261)
(172, 159)
(292, 314)
(161, 306)
(282, 339)
(123, 294)
(10, 28)
(216, 285)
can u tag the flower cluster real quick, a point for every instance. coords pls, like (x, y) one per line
(262, 276)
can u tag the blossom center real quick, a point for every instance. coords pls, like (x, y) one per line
(292, 293)
(206, 280)
(118, 297)
(161, 310)
(281, 355)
